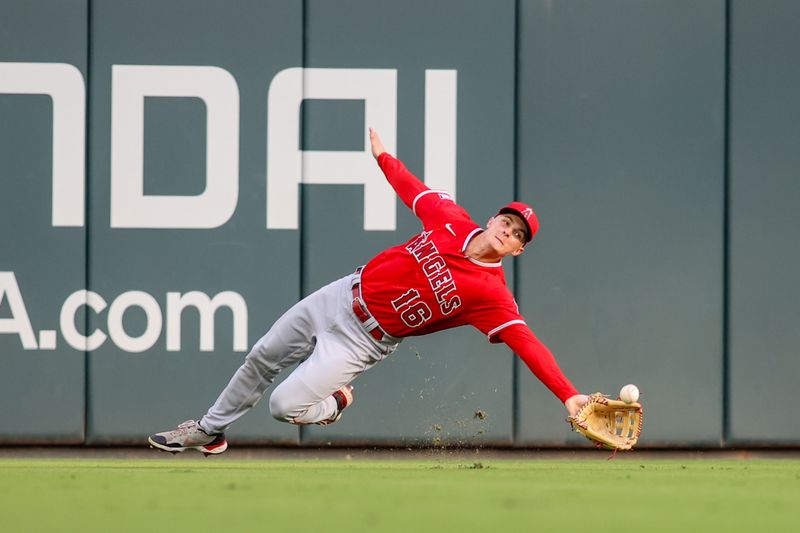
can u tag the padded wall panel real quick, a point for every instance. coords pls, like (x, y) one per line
(42, 261)
(620, 149)
(186, 135)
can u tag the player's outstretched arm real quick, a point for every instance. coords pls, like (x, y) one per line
(540, 360)
(377, 144)
(406, 185)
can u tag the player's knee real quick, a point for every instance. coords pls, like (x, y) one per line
(281, 407)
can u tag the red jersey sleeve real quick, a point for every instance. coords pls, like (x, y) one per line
(539, 359)
(428, 205)
(405, 184)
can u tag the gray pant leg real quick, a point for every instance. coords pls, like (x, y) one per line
(291, 339)
(342, 352)
(305, 396)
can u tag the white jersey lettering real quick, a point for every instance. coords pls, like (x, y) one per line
(436, 272)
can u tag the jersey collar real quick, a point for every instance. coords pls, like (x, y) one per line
(469, 238)
(481, 263)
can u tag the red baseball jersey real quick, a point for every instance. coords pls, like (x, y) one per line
(429, 284)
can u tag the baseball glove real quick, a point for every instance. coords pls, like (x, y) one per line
(608, 423)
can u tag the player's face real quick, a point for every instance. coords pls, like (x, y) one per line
(506, 234)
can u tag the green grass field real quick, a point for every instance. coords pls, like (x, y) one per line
(221, 494)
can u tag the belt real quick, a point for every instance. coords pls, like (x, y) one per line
(363, 315)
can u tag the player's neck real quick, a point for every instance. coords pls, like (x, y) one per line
(479, 249)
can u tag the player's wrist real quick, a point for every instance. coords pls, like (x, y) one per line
(575, 402)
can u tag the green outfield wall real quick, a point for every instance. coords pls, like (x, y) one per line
(175, 174)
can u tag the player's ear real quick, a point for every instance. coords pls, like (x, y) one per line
(488, 222)
(518, 251)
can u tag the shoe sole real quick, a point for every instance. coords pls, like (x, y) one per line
(206, 449)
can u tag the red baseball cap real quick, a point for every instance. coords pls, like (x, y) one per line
(525, 212)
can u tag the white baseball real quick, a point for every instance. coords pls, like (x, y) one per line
(629, 393)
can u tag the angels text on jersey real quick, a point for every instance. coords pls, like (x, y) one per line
(413, 311)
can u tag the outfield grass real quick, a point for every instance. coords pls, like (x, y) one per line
(411, 495)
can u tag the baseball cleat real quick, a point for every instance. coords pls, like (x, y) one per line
(344, 398)
(189, 436)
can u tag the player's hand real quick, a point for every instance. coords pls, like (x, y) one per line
(574, 403)
(375, 141)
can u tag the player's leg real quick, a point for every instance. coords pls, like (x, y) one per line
(318, 390)
(307, 395)
(273, 352)
(290, 339)
(246, 387)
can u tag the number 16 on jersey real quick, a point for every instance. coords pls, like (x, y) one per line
(413, 311)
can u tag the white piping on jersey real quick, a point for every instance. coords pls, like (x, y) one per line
(503, 326)
(423, 193)
(466, 241)
(481, 263)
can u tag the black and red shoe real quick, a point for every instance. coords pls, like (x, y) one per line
(189, 436)
(344, 398)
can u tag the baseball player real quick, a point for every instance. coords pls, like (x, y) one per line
(448, 275)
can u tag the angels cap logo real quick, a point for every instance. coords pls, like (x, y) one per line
(528, 216)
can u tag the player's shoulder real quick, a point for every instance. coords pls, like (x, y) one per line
(502, 298)
(437, 204)
(491, 297)
(443, 213)
(459, 226)
(494, 283)
(454, 233)
(429, 196)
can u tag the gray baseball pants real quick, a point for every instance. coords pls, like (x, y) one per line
(333, 348)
